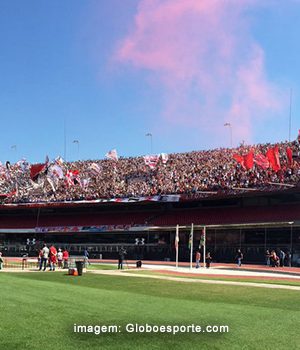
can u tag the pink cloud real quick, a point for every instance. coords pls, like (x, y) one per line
(203, 55)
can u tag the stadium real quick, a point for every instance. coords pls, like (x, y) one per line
(149, 175)
(155, 213)
(256, 211)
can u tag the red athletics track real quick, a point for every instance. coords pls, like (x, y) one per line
(245, 267)
(287, 271)
(190, 274)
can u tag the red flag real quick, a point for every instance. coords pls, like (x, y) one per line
(248, 160)
(69, 180)
(261, 161)
(35, 170)
(276, 154)
(289, 154)
(239, 159)
(72, 178)
(273, 157)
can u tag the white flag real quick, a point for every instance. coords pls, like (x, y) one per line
(164, 158)
(151, 161)
(56, 171)
(59, 160)
(113, 155)
(95, 169)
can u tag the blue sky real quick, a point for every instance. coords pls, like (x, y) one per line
(96, 65)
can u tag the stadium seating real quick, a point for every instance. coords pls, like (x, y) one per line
(193, 174)
(208, 216)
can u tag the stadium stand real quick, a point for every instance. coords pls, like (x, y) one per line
(249, 194)
(225, 216)
(199, 174)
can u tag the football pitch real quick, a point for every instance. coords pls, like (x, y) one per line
(39, 310)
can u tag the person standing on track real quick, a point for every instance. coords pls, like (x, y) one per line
(198, 257)
(86, 257)
(122, 253)
(1, 261)
(268, 258)
(288, 259)
(208, 260)
(40, 255)
(239, 257)
(53, 258)
(44, 257)
(60, 259)
(65, 259)
(281, 257)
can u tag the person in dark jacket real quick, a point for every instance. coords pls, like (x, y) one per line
(122, 253)
(288, 259)
(208, 260)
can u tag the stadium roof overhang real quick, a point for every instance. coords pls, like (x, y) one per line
(140, 229)
(227, 226)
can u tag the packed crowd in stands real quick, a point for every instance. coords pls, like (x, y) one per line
(198, 173)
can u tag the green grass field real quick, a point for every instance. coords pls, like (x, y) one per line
(102, 267)
(38, 311)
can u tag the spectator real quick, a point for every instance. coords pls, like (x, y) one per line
(65, 259)
(45, 256)
(193, 174)
(208, 260)
(86, 257)
(198, 257)
(288, 259)
(122, 253)
(59, 259)
(281, 257)
(268, 255)
(40, 256)
(52, 257)
(274, 259)
(239, 257)
(1, 261)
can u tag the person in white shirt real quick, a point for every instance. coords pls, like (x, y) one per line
(44, 257)
(59, 258)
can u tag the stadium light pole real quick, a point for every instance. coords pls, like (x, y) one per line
(150, 135)
(77, 141)
(230, 127)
